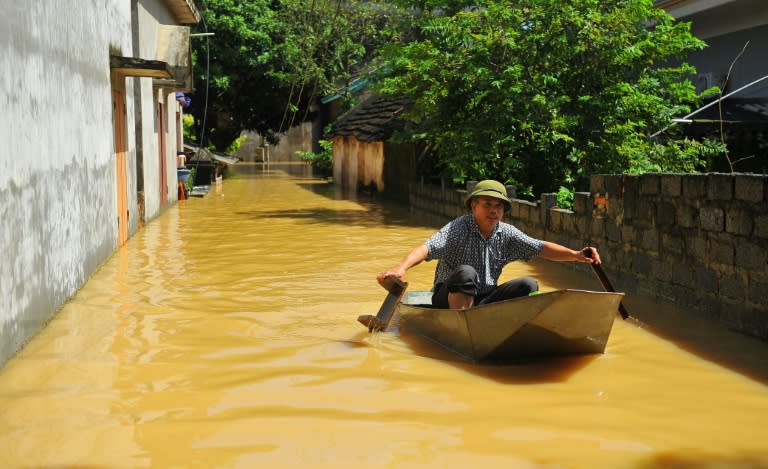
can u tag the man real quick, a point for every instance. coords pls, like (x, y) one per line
(473, 249)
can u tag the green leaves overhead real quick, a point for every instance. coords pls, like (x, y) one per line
(271, 60)
(538, 93)
(545, 92)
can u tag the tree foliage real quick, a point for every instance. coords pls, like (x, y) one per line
(543, 93)
(268, 61)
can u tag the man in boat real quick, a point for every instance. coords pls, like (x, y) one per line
(473, 249)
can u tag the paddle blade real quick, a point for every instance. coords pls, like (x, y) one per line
(395, 291)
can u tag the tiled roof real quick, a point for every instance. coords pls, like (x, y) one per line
(373, 120)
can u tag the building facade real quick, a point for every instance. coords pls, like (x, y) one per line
(90, 127)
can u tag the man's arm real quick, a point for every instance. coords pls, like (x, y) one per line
(415, 257)
(556, 252)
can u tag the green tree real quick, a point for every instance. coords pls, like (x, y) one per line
(543, 93)
(270, 60)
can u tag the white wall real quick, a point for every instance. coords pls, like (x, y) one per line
(58, 202)
(57, 164)
(152, 13)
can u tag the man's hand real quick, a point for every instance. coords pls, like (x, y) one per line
(590, 255)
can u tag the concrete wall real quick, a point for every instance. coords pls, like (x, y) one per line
(714, 62)
(736, 33)
(298, 138)
(57, 166)
(152, 13)
(696, 241)
(58, 196)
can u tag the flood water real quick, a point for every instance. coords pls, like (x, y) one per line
(224, 335)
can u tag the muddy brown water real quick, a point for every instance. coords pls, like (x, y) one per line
(224, 335)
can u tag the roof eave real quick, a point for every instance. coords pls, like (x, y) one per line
(185, 11)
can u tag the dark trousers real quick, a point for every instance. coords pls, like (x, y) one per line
(465, 280)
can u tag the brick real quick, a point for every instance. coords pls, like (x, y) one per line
(631, 204)
(650, 240)
(556, 219)
(694, 187)
(646, 213)
(682, 275)
(612, 232)
(711, 219)
(514, 210)
(614, 185)
(666, 214)
(582, 226)
(548, 200)
(642, 264)
(534, 216)
(597, 230)
(615, 208)
(627, 283)
(705, 279)
(750, 188)
(761, 226)
(631, 184)
(696, 246)
(721, 253)
(671, 185)
(751, 256)
(628, 234)
(671, 243)
(582, 203)
(569, 222)
(597, 183)
(686, 297)
(650, 184)
(662, 271)
(720, 187)
(732, 286)
(738, 221)
(525, 210)
(687, 216)
(621, 257)
(667, 292)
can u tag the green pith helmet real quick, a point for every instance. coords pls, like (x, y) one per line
(489, 188)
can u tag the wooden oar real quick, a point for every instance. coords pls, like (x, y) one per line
(606, 283)
(395, 291)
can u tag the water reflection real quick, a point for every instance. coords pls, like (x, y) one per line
(225, 335)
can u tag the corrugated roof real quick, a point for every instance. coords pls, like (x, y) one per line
(373, 120)
(202, 154)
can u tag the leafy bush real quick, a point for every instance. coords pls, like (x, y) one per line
(190, 182)
(236, 143)
(323, 161)
(565, 198)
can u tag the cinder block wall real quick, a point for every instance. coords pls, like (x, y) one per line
(699, 241)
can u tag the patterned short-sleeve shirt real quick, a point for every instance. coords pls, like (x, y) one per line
(461, 243)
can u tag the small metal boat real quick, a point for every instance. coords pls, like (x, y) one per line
(562, 322)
